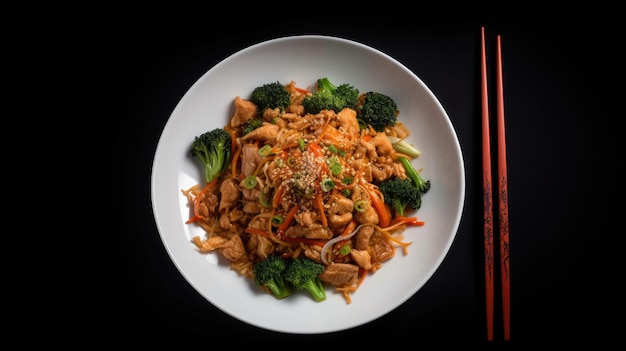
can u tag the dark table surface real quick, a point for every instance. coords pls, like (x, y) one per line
(552, 114)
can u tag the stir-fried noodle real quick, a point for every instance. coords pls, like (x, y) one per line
(304, 184)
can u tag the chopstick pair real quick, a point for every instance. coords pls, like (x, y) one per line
(502, 192)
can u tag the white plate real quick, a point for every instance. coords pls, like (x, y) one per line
(304, 59)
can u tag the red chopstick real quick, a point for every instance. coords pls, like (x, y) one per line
(487, 195)
(503, 197)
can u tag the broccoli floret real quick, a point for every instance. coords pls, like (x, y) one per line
(422, 185)
(377, 109)
(251, 125)
(400, 193)
(331, 97)
(213, 148)
(303, 274)
(272, 95)
(269, 273)
(406, 192)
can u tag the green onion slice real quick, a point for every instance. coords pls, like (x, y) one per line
(361, 205)
(265, 151)
(344, 250)
(264, 200)
(277, 220)
(334, 165)
(327, 184)
(250, 182)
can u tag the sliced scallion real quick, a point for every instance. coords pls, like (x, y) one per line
(250, 182)
(361, 205)
(344, 250)
(327, 184)
(277, 220)
(265, 151)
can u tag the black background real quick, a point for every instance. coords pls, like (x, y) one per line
(556, 108)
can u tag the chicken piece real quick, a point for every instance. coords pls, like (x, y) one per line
(208, 205)
(362, 258)
(229, 192)
(259, 223)
(251, 207)
(368, 216)
(382, 144)
(245, 110)
(233, 249)
(362, 241)
(299, 124)
(210, 244)
(225, 222)
(267, 133)
(340, 274)
(314, 231)
(231, 220)
(399, 170)
(290, 117)
(305, 218)
(348, 124)
(296, 109)
(250, 159)
(382, 171)
(340, 211)
(237, 215)
(340, 220)
(380, 249)
(260, 245)
(250, 194)
(370, 149)
(313, 252)
(270, 114)
(250, 201)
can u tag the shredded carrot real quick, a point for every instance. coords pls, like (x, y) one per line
(304, 241)
(198, 200)
(263, 162)
(325, 129)
(288, 220)
(302, 90)
(346, 295)
(316, 149)
(349, 227)
(399, 154)
(277, 149)
(320, 207)
(383, 213)
(412, 221)
(278, 196)
(405, 245)
(332, 196)
(366, 137)
(235, 158)
(362, 275)
(259, 232)
(269, 223)
(393, 226)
